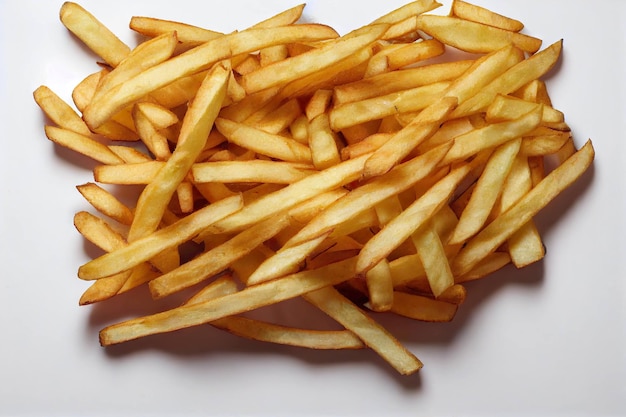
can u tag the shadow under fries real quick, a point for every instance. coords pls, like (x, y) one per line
(206, 341)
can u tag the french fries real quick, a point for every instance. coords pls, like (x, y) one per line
(286, 160)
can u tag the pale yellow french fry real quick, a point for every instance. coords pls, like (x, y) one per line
(380, 287)
(189, 34)
(144, 56)
(405, 101)
(403, 79)
(288, 197)
(155, 140)
(483, 71)
(412, 8)
(285, 71)
(525, 246)
(508, 108)
(431, 252)
(318, 104)
(285, 261)
(492, 135)
(129, 173)
(279, 119)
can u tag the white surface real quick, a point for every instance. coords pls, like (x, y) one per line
(546, 341)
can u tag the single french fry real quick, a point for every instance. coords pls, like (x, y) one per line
(106, 203)
(269, 144)
(474, 37)
(373, 335)
(59, 111)
(93, 33)
(469, 11)
(323, 143)
(84, 145)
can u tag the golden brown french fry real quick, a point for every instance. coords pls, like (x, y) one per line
(373, 334)
(195, 60)
(250, 298)
(370, 194)
(474, 37)
(521, 212)
(106, 203)
(197, 123)
(422, 308)
(144, 248)
(512, 79)
(404, 141)
(217, 259)
(93, 33)
(269, 144)
(469, 11)
(486, 192)
(414, 216)
(59, 111)
(323, 143)
(282, 72)
(84, 145)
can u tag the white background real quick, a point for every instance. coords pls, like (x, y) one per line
(549, 340)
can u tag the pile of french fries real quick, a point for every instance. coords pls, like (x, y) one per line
(372, 172)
